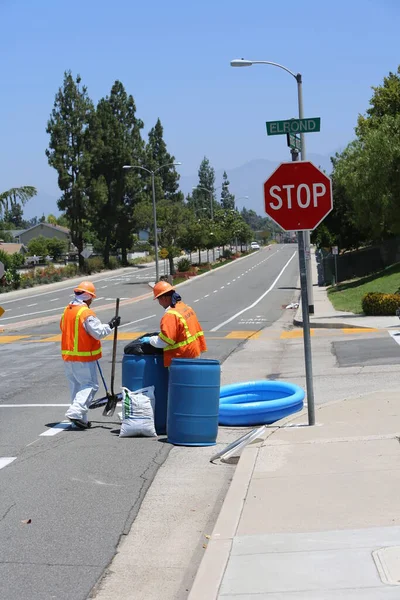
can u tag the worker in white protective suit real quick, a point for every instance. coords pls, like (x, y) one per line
(81, 332)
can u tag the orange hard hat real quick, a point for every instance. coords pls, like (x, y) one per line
(86, 286)
(162, 287)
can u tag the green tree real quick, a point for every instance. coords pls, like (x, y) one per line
(38, 246)
(14, 215)
(56, 247)
(204, 193)
(69, 154)
(16, 196)
(227, 199)
(115, 141)
(166, 179)
(52, 220)
(385, 101)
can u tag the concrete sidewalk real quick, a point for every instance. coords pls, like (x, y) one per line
(312, 512)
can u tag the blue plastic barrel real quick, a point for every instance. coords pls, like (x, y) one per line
(139, 371)
(193, 402)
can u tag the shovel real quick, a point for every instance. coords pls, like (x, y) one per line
(112, 398)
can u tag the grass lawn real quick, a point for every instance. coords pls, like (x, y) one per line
(347, 296)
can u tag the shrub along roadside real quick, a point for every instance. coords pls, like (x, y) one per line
(14, 280)
(378, 304)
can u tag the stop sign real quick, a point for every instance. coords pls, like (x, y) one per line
(298, 196)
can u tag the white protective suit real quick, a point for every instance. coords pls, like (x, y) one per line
(82, 376)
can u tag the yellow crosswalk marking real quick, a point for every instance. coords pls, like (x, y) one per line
(359, 330)
(295, 333)
(8, 339)
(52, 338)
(242, 335)
(125, 335)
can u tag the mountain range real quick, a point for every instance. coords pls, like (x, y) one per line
(246, 180)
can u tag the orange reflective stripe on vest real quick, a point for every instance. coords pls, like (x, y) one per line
(76, 344)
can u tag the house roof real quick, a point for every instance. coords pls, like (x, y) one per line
(56, 227)
(10, 248)
(16, 232)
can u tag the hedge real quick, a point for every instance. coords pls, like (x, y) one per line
(379, 304)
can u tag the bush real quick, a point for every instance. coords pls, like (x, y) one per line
(94, 265)
(379, 304)
(113, 263)
(5, 259)
(183, 265)
(227, 253)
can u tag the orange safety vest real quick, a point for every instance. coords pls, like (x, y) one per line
(76, 344)
(182, 332)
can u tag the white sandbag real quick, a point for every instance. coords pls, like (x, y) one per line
(138, 413)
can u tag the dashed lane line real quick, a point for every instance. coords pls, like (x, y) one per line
(6, 460)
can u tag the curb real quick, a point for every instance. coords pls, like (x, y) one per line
(213, 564)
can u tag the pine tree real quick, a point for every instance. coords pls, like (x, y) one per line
(69, 154)
(115, 141)
(157, 156)
(204, 193)
(227, 199)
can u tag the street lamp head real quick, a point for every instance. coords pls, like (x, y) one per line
(241, 62)
(127, 167)
(176, 164)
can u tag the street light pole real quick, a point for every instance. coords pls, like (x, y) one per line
(153, 190)
(211, 192)
(240, 62)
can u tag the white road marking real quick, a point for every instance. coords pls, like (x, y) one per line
(215, 291)
(29, 305)
(6, 460)
(222, 287)
(103, 287)
(137, 321)
(57, 428)
(38, 312)
(101, 298)
(194, 302)
(54, 299)
(395, 335)
(30, 405)
(257, 301)
(206, 296)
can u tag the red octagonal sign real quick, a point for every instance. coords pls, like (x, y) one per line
(298, 196)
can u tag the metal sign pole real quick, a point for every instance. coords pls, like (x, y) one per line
(306, 318)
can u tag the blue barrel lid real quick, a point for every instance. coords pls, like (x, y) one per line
(194, 361)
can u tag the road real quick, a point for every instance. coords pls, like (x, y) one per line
(81, 490)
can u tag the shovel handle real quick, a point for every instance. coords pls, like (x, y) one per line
(114, 350)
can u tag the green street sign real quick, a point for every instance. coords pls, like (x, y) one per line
(293, 141)
(294, 126)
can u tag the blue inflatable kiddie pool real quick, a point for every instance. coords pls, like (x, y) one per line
(258, 402)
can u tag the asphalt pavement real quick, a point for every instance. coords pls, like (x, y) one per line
(71, 496)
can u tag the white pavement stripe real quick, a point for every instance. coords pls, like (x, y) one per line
(257, 301)
(6, 460)
(194, 302)
(103, 287)
(57, 428)
(395, 335)
(137, 321)
(54, 299)
(31, 405)
(206, 296)
(29, 305)
(38, 312)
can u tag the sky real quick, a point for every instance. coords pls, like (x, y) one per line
(174, 58)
